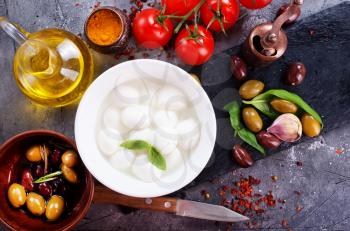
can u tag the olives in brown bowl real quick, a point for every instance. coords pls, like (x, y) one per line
(44, 184)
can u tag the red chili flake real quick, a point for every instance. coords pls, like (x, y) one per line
(298, 209)
(225, 187)
(254, 181)
(297, 193)
(145, 55)
(339, 151)
(222, 193)
(284, 223)
(274, 178)
(234, 192)
(139, 4)
(312, 32)
(97, 5)
(299, 163)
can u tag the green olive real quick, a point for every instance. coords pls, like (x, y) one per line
(33, 153)
(16, 195)
(54, 208)
(311, 127)
(283, 106)
(195, 77)
(251, 88)
(69, 174)
(70, 158)
(35, 204)
(252, 119)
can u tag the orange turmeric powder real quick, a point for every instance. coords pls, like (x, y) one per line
(104, 27)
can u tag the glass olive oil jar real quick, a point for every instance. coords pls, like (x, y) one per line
(52, 67)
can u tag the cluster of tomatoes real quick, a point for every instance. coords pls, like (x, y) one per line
(194, 44)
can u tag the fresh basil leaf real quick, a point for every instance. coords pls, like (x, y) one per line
(153, 155)
(283, 94)
(156, 158)
(235, 116)
(250, 139)
(135, 145)
(263, 106)
(233, 109)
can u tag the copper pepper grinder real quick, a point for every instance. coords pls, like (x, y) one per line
(267, 42)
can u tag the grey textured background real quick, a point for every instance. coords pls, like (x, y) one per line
(323, 178)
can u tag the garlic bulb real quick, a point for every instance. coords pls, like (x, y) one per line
(286, 127)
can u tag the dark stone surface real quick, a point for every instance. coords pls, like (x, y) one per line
(323, 178)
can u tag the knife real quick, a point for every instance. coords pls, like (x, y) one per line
(180, 207)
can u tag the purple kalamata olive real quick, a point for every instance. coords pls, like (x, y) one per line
(238, 68)
(55, 157)
(296, 74)
(268, 140)
(242, 156)
(45, 190)
(27, 180)
(293, 18)
(58, 186)
(37, 170)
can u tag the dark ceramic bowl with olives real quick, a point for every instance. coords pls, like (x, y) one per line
(43, 183)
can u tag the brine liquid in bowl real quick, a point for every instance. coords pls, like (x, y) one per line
(154, 111)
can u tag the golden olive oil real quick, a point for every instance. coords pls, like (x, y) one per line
(53, 67)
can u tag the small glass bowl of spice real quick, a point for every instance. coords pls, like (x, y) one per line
(107, 30)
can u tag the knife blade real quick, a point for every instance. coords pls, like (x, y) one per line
(179, 207)
(206, 211)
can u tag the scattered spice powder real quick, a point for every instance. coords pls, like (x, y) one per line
(299, 163)
(104, 27)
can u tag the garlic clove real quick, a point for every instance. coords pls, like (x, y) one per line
(286, 127)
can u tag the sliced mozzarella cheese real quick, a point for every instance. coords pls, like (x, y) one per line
(107, 142)
(144, 170)
(164, 118)
(171, 98)
(135, 117)
(145, 134)
(187, 128)
(112, 121)
(174, 160)
(165, 142)
(122, 159)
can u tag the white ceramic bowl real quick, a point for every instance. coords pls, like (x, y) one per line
(88, 116)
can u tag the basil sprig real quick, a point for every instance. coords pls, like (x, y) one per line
(235, 118)
(153, 155)
(262, 103)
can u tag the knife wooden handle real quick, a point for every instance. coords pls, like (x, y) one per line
(105, 195)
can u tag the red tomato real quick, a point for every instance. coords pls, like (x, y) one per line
(193, 46)
(255, 4)
(227, 12)
(150, 30)
(179, 7)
